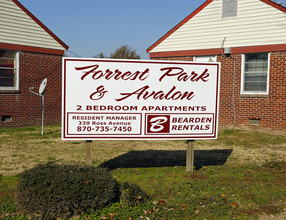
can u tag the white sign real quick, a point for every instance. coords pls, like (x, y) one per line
(139, 99)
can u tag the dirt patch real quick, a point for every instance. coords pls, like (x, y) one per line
(280, 216)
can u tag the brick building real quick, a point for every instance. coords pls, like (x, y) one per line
(248, 37)
(29, 53)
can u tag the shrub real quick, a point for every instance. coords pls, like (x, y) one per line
(52, 191)
(132, 194)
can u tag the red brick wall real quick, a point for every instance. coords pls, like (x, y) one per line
(25, 107)
(270, 109)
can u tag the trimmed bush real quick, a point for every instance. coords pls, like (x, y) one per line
(51, 191)
(132, 194)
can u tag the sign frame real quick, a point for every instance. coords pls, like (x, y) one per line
(84, 77)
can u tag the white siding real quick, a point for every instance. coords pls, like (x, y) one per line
(257, 23)
(16, 27)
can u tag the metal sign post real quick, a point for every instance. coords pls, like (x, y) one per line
(42, 91)
(43, 110)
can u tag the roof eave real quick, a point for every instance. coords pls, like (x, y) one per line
(32, 49)
(275, 5)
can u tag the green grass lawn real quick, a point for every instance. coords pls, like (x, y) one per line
(240, 175)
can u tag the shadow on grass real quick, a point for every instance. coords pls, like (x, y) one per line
(165, 158)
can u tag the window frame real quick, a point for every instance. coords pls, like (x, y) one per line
(16, 84)
(243, 76)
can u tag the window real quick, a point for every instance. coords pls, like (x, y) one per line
(255, 70)
(6, 118)
(8, 70)
(229, 8)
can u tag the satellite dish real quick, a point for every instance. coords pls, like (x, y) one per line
(43, 86)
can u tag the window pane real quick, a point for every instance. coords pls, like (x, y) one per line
(256, 57)
(7, 54)
(7, 82)
(8, 72)
(255, 86)
(256, 66)
(7, 63)
(7, 78)
(256, 70)
(255, 77)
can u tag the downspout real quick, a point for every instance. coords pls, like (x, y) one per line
(233, 93)
(226, 52)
